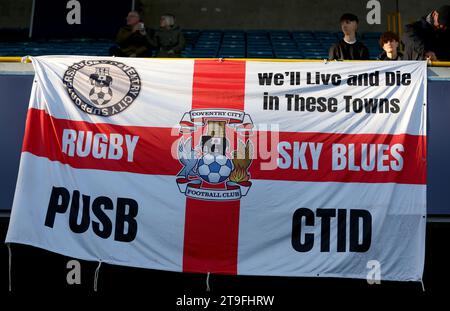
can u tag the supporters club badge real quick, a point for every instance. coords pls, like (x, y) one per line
(102, 87)
(216, 154)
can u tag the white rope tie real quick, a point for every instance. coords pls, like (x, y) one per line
(9, 263)
(423, 285)
(207, 282)
(96, 275)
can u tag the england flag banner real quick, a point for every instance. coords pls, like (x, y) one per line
(268, 168)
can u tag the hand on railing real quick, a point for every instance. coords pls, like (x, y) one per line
(26, 59)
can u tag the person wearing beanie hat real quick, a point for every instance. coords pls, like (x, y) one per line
(348, 48)
(429, 38)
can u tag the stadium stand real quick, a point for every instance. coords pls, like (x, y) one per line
(210, 44)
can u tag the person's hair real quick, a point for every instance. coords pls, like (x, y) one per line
(388, 36)
(170, 18)
(138, 13)
(349, 17)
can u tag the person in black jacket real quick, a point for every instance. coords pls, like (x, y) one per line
(428, 38)
(133, 40)
(349, 48)
(169, 39)
(389, 42)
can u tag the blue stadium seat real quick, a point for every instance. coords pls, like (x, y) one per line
(211, 43)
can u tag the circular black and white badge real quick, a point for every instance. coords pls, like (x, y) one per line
(102, 87)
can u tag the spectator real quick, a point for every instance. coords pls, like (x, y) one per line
(389, 42)
(349, 48)
(133, 39)
(429, 37)
(168, 39)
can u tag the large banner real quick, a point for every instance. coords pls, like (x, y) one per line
(234, 167)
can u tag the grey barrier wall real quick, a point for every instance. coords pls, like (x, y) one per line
(14, 97)
(219, 14)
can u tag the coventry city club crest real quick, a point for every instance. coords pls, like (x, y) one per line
(216, 154)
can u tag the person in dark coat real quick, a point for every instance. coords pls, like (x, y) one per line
(428, 38)
(389, 42)
(349, 48)
(133, 40)
(169, 39)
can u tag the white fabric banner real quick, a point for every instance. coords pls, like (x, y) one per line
(235, 167)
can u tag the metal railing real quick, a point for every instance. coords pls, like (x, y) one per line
(18, 59)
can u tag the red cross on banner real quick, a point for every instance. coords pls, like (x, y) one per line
(212, 227)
